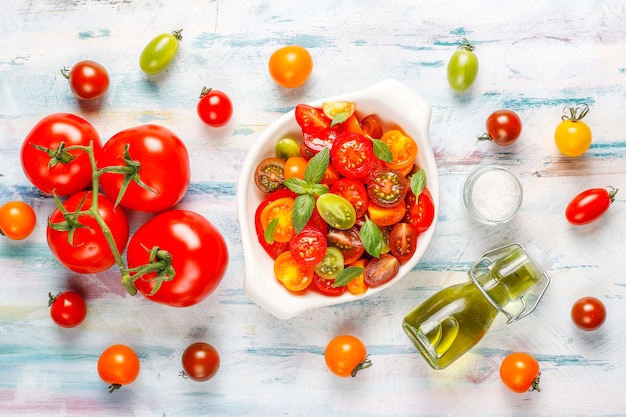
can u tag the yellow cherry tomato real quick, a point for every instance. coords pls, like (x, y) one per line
(17, 220)
(290, 66)
(573, 136)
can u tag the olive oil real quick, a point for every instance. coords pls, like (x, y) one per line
(456, 318)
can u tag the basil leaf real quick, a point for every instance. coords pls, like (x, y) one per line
(346, 275)
(340, 118)
(270, 230)
(418, 182)
(381, 150)
(318, 189)
(314, 171)
(302, 211)
(297, 185)
(372, 238)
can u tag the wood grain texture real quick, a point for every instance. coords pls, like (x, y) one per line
(534, 58)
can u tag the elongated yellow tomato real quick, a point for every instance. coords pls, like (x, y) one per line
(573, 136)
(160, 52)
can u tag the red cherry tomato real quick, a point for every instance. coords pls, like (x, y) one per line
(311, 119)
(354, 191)
(421, 213)
(193, 252)
(200, 361)
(157, 162)
(348, 242)
(86, 250)
(88, 79)
(520, 372)
(327, 286)
(308, 247)
(589, 205)
(275, 248)
(503, 127)
(214, 108)
(45, 162)
(588, 313)
(67, 309)
(403, 241)
(352, 154)
(381, 270)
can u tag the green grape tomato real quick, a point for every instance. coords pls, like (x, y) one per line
(160, 52)
(286, 148)
(336, 211)
(462, 67)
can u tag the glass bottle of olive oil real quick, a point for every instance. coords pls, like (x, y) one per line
(510, 280)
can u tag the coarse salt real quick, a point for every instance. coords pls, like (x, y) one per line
(495, 195)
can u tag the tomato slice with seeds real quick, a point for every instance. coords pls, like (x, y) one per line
(403, 241)
(403, 149)
(270, 174)
(358, 285)
(420, 213)
(281, 209)
(386, 216)
(354, 191)
(276, 248)
(294, 276)
(308, 247)
(387, 187)
(327, 287)
(311, 119)
(381, 270)
(372, 126)
(348, 242)
(315, 142)
(352, 154)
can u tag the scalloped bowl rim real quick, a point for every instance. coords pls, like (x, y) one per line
(397, 106)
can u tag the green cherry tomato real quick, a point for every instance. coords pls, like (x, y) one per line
(160, 52)
(336, 211)
(331, 265)
(286, 148)
(463, 67)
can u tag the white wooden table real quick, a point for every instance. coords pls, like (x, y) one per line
(534, 58)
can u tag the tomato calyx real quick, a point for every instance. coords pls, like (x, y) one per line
(466, 45)
(575, 114)
(362, 365)
(535, 384)
(159, 263)
(58, 155)
(205, 90)
(52, 298)
(611, 192)
(178, 34)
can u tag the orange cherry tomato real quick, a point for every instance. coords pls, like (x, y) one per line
(346, 355)
(17, 220)
(372, 126)
(403, 150)
(118, 365)
(386, 216)
(352, 124)
(293, 275)
(330, 175)
(281, 209)
(295, 167)
(358, 284)
(519, 371)
(290, 66)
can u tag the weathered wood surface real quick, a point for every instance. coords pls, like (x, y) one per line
(535, 58)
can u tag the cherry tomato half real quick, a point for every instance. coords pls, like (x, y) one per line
(503, 127)
(160, 52)
(89, 80)
(327, 286)
(381, 270)
(589, 205)
(403, 241)
(118, 365)
(214, 107)
(403, 150)
(17, 220)
(588, 313)
(387, 187)
(269, 174)
(462, 67)
(201, 361)
(573, 136)
(280, 210)
(352, 154)
(290, 66)
(308, 247)
(293, 275)
(354, 191)
(348, 242)
(421, 213)
(520, 372)
(346, 355)
(67, 309)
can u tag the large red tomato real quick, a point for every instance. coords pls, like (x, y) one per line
(152, 156)
(193, 252)
(45, 162)
(86, 250)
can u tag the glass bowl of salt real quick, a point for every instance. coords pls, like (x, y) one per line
(492, 194)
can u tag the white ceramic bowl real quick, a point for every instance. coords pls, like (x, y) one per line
(397, 106)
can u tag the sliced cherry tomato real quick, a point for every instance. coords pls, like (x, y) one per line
(336, 211)
(308, 247)
(315, 142)
(346, 355)
(387, 187)
(327, 287)
(118, 365)
(330, 175)
(333, 108)
(503, 127)
(89, 80)
(352, 154)
(403, 241)
(357, 285)
(67, 309)
(84, 248)
(348, 242)
(354, 191)
(573, 136)
(293, 275)
(290, 66)
(270, 174)
(157, 168)
(372, 126)
(281, 209)
(276, 248)
(588, 313)
(381, 270)
(200, 361)
(295, 167)
(214, 107)
(520, 372)
(331, 265)
(352, 124)
(311, 119)
(403, 150)
(386, 216)
(589, 205)
(46, 163)
(421, 213)
(17, 220)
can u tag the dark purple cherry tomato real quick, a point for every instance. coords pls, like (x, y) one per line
(503, 127)
(381, 270)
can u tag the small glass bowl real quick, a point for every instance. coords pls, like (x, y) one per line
(492, 194)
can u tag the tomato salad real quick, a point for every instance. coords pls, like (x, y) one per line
(344, 212)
